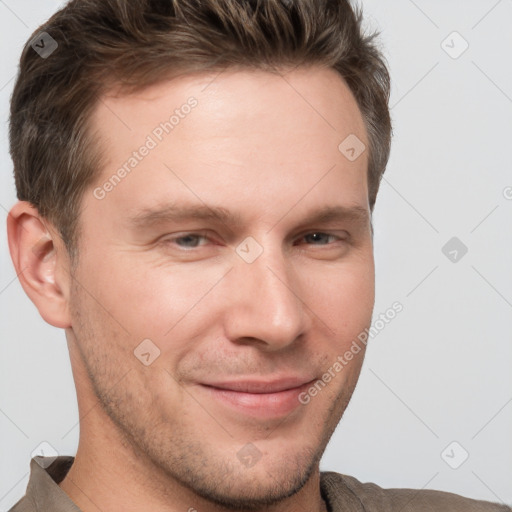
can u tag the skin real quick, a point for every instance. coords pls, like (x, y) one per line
(265, 148)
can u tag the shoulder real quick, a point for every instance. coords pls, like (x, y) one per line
(373, 498)
(23, 505)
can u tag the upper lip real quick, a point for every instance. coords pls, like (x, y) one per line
(260, 385)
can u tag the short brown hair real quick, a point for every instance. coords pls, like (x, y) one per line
(137, 43)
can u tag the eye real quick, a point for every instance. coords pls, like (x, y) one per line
(187, 240)
(319, 238)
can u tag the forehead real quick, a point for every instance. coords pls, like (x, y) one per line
(249, 133)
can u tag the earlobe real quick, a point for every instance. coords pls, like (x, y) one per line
(38, 254)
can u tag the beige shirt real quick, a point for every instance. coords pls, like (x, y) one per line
(342, 493)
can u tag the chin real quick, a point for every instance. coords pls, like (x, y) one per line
(261, 485)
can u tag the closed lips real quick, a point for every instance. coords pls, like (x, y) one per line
(261, 387)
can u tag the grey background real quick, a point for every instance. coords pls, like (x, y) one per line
(441, 370)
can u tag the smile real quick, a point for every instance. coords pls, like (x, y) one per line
(259, 399)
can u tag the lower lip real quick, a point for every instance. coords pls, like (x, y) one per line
(260, 405)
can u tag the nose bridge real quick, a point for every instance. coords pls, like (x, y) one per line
(268, 307)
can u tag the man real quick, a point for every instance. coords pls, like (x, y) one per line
(196, 182)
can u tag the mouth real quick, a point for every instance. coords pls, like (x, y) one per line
(265, 399)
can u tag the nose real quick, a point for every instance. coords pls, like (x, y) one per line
(265, 307)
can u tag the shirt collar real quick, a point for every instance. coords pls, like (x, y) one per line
(43, 490)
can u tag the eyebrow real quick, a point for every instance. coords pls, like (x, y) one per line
(148, 217)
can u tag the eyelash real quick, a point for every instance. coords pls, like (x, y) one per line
(205, 237)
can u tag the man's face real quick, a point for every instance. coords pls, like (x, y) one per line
(248, 301)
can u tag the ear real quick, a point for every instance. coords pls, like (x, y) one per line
(41, 262)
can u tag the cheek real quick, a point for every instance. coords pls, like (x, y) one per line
(160, 301)
(149, 298)
(342, 298)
